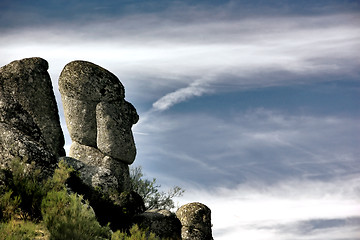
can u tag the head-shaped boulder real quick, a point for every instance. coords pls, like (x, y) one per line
(96, 112)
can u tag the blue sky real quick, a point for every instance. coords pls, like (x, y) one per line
(251, 106)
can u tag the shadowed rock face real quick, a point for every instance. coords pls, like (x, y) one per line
(20, 137)
(161, 222)
(99, 120)
(195, 219)
(28, 83)
(98, 170)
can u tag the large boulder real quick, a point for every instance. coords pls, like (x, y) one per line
(21, 138)
(29, 84)
(99, 121)
(195, 219)
(96, 112)
(82, 85)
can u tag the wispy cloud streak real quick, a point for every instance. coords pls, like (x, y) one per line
(175, 58)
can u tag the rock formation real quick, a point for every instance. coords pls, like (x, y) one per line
(99, 120)
(29, 83)
(195, 219)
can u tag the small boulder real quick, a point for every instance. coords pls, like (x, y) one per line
(195, 219)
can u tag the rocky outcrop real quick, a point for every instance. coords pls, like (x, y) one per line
(161, 222)
(99, 119)
(195, 219)
(29, 84)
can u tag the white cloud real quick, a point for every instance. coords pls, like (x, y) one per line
(177, 60)
(195, 89)
(257, 145)
(254, 212)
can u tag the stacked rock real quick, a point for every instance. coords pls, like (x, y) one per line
(99, 121)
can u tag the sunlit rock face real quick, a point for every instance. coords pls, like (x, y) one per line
(99, 119)
(114, 136)
(28, 83)
(195, 219)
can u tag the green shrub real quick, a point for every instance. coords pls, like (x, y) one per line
(23, 193)
(25, 230)
(26, 190)
(135, 234)
(67, 217)
(149, 191)
(9, 205)
(64, 215)
(58, 180)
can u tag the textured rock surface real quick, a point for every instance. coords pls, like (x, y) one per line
(114, 135)
(80, 120)
(99, 170)
(161, 222)
(89, 82)
(82, 85)
(93, 176)
(21, 138)
(109, 205)
(195, 219)
(29, 83)
(99, 121)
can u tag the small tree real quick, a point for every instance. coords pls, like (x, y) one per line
(149, 191)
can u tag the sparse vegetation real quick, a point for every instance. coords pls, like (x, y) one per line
(25, 230)
(23, 193)
(135, 234)
(33, 209)
(149, 191)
